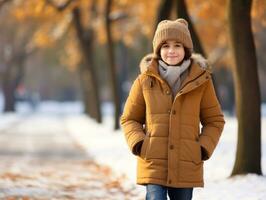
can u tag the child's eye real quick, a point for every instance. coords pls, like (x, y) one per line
(178, 45)
(165, 46)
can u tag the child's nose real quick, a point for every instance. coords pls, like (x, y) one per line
(171, 50)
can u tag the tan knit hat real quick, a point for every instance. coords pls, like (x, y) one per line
(172, 30)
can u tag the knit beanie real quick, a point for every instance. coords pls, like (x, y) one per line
(172, 30)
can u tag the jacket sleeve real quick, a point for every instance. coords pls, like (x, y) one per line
(133, 116)
(212, 121)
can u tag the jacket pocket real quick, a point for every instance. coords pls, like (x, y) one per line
(190, 151)
(144, 146)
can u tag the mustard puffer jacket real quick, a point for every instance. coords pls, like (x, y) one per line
(174, 147)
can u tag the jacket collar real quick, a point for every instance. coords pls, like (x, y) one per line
(199, 65)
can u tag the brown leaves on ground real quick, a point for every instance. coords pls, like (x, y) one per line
(38, 179)
(14, 176)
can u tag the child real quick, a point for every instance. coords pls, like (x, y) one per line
(167, 102)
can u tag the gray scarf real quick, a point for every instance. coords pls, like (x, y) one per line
(172, 74)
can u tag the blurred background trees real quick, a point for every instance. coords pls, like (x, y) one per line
(73, 35)
(89, 51)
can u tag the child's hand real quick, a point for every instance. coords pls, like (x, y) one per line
(137, 148)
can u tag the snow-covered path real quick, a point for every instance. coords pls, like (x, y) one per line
(39, 160)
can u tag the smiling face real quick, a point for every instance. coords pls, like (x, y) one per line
(172, 52)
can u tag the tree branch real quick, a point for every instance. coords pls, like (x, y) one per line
(60, 7)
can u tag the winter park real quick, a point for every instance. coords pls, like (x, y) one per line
(132, 100)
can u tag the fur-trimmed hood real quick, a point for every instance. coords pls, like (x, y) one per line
(145, 62)
(198, 58)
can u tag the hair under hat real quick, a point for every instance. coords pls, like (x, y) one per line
(172, 30)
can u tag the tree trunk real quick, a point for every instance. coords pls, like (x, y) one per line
(164, 10)
(248, 155)
(183, 13)
(8, 92)
(11, 79)
(122, 70)
(113, 74)
(85, 82)
(86, 38)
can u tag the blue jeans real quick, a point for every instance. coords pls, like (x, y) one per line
(158, 192)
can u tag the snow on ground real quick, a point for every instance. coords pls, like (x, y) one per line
(109, 148)
(7, 119)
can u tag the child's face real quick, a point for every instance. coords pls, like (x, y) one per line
(172, 52)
